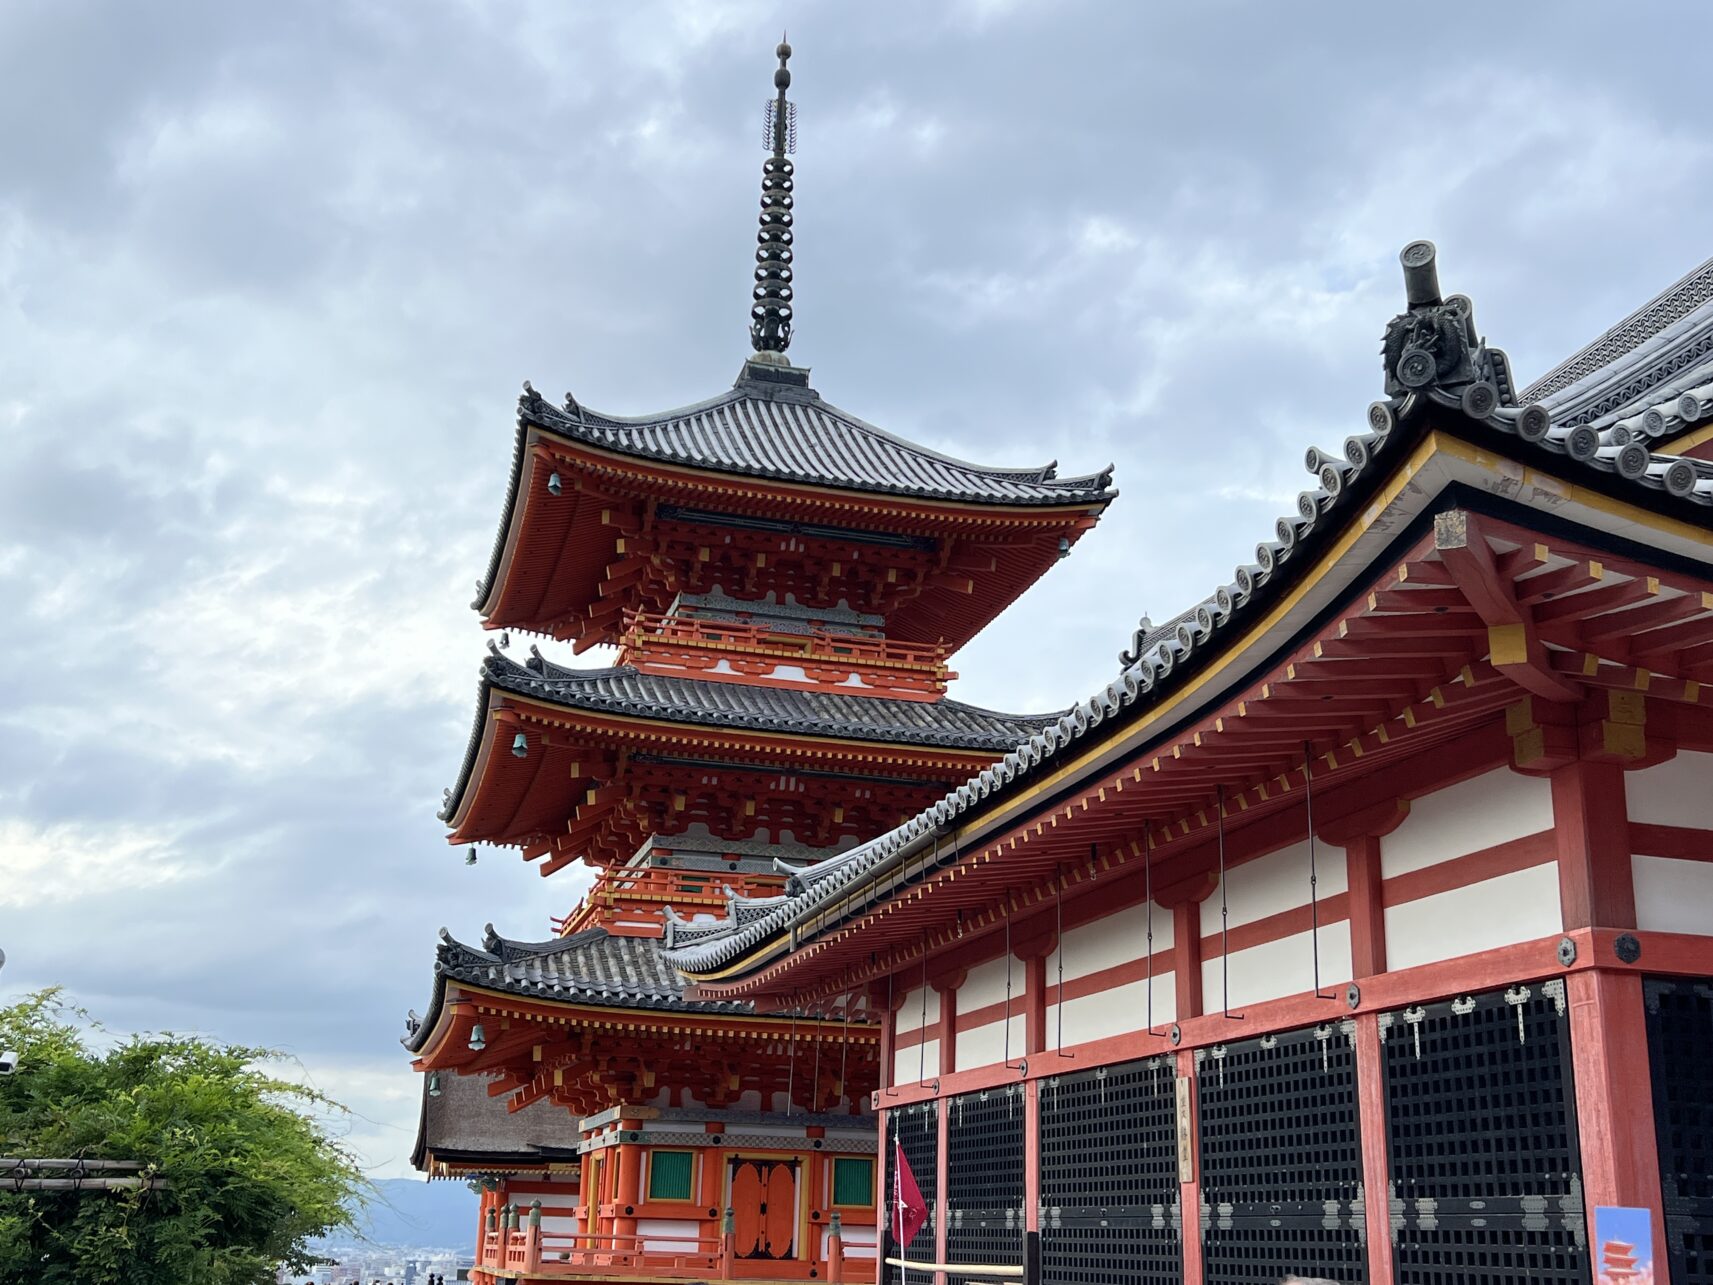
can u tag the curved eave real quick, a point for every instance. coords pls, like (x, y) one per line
(551, 551)
(708, 1017)
(1330, 557)
(480, 783)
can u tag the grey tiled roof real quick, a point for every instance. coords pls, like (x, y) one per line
(1649, 377)
(1160, 658)
(948, 724)
(1638, 335)
(590, 967)
(785, 431)
(943, 724)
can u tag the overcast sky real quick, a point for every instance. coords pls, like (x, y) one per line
(271, 276)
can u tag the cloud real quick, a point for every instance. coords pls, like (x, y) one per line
(62, 863)
(270, 278)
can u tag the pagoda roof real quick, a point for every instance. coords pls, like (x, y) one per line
(772, 424)
(1648, 361)
(590, 968)
(1163, 662)
(629, 692)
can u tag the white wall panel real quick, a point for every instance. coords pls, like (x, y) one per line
(910, 1015)
(1111, 940)
(985, 1045)
(1275, 969)
(1673, 896)
(906, 1061)
(986, 984)
(1485, 810)
(1676, 792)
(674, 1231)
(1519, 906)
(1279, 882)
(1117, 1011)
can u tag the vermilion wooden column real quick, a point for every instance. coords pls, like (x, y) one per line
(1035, 1005)
(1032, 1156)
(1186, 967)
(1595, 885)
(940, 1219)
(1371, 1118)
(627, 1191)
(947, 989)
(1608, 1021)
(1189, 1193)
(1367, 910)
(1614, 1099)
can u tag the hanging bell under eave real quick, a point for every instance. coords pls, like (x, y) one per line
(520, 746)
(478, 1038)
(554, 485)
(470, 857)
(434, 1084)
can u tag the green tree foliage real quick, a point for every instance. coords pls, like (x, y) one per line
(253, 1173)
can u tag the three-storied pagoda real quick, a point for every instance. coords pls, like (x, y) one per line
(785, 585)
(1362, 927)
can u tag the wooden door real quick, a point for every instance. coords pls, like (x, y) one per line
(764, 1207)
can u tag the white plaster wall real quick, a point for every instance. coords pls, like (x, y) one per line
(558, 1226)
(681, 1229)
(1676, 792)
(915, 1062)
(1275, 969)
(792, 1132)
(1673, 896)
(986, 984)
(1117, 1011)
(910, 1016)
(1278, 882)
(1514, 907)
(1485, 810)
(985, 1045)
(1109, 941)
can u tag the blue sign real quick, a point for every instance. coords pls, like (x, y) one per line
(1623, 1245)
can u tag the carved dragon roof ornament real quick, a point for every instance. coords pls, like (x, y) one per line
(1432, 349)
(770, 313)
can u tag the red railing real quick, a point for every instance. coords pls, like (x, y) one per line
(629, 901)
(750, 652)
(532, 1251)
(868, 649)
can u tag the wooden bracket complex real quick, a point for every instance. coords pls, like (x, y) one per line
(1512, 641)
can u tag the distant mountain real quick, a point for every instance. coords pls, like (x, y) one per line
(427, 1215)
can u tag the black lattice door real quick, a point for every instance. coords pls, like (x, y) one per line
(918, 1128)
(1281, 1158)
(1481, 1130)
(1680, 1054)
(1109, 1176)
(984, 1177)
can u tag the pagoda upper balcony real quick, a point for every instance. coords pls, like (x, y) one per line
(784, 653)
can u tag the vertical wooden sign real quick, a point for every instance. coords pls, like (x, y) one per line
(1186, 1133)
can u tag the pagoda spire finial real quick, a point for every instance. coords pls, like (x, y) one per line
(770, 313)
